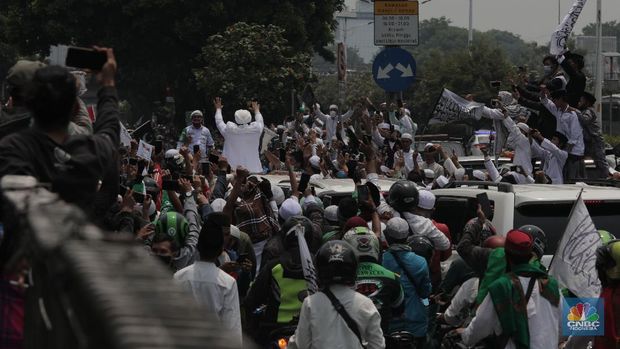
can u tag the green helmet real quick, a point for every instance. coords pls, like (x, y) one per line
(171, 226)
(606, 236)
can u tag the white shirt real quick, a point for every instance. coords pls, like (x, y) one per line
(553, 159)
(437, 168)
(464, 298)
(543, 320)
(331, 122)
(201, 136)
(214, 290)
(521, 145)
(321, 326)
(423, 226)
(568, 125)
(241, 142)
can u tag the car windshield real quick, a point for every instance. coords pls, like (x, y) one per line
(553, 218)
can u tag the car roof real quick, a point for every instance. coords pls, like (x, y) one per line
(541, 193)
(335, 185)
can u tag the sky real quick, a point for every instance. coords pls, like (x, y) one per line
(532, 20)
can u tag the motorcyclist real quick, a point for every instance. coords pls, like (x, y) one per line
(321, 325)
(373, 280)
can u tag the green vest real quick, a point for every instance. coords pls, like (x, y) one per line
(290, 305)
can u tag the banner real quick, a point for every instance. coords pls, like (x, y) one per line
(268, 135)
(307, 265)
(574, 261)
(557, 46)
(451, 107)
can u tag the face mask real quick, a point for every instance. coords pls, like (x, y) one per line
(332, 113)
(548, 69)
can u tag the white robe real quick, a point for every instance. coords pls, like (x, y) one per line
(241, 142)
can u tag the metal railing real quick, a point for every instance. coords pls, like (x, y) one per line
(87, 292)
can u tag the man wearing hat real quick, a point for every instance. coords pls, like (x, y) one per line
(519, 141)
(568, 125)
(430, 155)
(331, 121)
(592, 136)
(241, 138)
(552, 154)
(196, 134)
(523, 318)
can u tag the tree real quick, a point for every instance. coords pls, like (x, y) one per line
(608, 29)
(252, 61)
(359, 84)
(354, 62)
(156, 41)
(8, 52)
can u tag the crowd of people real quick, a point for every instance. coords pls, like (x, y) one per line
(269, 264)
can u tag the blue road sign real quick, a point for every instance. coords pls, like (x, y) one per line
(394, 69)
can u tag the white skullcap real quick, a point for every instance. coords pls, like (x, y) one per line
(331, 213)
(196, 112)
(333, 106)
(384, 125)
(397, 228)
(426, 200)
(278, 194)
(315, 161)
(290, 207)
(442, 181)
(406, 136)
(479, 175)
(218, 205)
(243, 116)
(428, 173)
(523, 127)
(316, 177)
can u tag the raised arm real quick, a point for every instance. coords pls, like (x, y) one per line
(219, 119)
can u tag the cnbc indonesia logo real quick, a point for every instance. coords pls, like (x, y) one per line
(583, 317)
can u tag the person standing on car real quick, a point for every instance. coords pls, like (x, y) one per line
(241, 138)
(552, 154)
(196, 134)
(592, 136)
(522, 306)
(337, 317)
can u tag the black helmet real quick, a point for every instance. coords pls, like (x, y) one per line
(290, 240)
(538, 238)
(150, 185)
(422, 246)
(403, 195)
(336, 263)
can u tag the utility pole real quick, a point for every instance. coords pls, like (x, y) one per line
(470, 36)
(598, 87)
(559, 11)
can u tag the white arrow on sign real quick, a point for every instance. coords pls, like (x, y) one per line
(383, 73)
(407, 72)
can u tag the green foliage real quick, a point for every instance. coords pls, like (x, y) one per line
(359, 84)
(612, 140)
(354, 62)
(156, 41)
(8, 52)
(608, 29)
(249, 60)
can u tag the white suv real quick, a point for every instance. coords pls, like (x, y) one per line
(546, 206)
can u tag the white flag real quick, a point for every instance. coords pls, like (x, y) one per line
(451, 107)
(557, 46)
(267, 137)
(144, 150)
(574, 262)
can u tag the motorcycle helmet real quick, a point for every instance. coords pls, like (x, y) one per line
(606, 236)
(608, 262)
(171, 226)
(538, 238)
(174, 161)
(364, 242)
(422, 246)
(151, 187)
(336, 263)
(403, 196)
(290, 239)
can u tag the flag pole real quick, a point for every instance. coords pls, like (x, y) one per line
(572, 210)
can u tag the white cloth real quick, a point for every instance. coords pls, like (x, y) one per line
(568, 125)
(258, 252)
(200, 136)
(553, 159)
(521, 145)
(320, 326)
(492, 170)
(543, 321)
(423, 226)
(408, 126)
(216, 291)
(464, 298)
(241, 142)
(435, 167)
